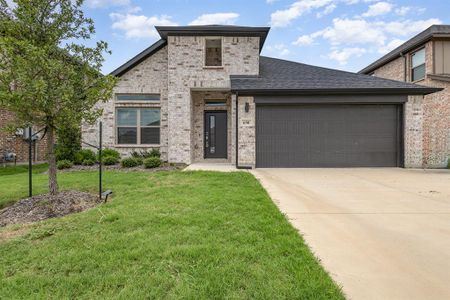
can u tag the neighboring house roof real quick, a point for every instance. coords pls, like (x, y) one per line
(287, 77)
(421, 38)
(165, 31)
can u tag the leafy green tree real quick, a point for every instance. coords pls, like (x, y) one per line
(49, 76)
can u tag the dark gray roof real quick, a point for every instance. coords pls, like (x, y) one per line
(222, 30)
(138, 58)
(421, 38)
(287, 77)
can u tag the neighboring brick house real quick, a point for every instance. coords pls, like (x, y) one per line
(180, 95)
(15, 143)
(424, 59)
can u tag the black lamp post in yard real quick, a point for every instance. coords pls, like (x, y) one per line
(99, 148)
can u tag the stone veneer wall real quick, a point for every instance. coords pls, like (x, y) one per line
(186, 71)
(198, 121)
(427, 119)
(16, 144)
(246, 132)
(150, 76)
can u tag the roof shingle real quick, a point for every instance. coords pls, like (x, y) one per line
(281, 76)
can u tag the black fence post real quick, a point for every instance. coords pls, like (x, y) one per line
(100, 162)
(30, 164)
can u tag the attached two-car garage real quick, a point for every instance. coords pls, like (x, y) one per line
(328, 134)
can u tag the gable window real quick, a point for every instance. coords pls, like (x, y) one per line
(213, 52)
(138, 126)
(418, 65)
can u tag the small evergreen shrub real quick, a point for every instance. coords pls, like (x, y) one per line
(110, 160)
(110, 152)
(64, 164)
(152, 162)
(155, 153)
(88, 162)
(84, 154)
(139, 160)
(129, 162)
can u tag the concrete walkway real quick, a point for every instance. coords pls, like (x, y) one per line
(380, 233)
(219, 167)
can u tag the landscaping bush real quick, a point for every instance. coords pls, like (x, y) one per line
(84, 154)
(64, 164)
(110, 152)
(110, 160)
(88, 162)
(130, 162)
(146, 154)
(152, 162)
(139, 160)
(69, 142)
(155, 153)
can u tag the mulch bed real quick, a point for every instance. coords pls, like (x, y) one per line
(46, 206)
(118, 167)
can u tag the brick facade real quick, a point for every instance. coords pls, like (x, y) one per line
(178, 74)
(150, 76)
(427, 119)
(13, 143)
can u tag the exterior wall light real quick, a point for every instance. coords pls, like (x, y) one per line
(247, 107)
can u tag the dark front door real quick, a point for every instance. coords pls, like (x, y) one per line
(216, 134)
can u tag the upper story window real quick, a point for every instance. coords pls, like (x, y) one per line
(418, 65)
(213, 52)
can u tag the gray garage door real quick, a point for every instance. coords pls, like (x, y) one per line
(328, 136)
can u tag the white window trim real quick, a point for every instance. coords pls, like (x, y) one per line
(204, 51)
(411, 69)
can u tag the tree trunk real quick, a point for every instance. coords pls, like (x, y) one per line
(51, 158)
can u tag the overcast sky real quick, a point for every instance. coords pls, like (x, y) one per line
(343, 34)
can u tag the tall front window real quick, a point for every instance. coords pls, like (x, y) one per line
(138, 126)
(213, 52)
(418, 65)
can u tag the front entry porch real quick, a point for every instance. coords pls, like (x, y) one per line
(211, 127)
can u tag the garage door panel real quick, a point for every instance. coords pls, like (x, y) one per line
(327, 135)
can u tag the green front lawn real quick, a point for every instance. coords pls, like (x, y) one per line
(193, 235)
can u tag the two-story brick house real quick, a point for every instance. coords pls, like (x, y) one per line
(204, 93)
(424, 59)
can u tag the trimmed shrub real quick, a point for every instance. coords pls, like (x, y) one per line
(64, 164)
(135, 154)
(152, 162)
(155, 153)
(110, 152)
(110, 160)
(88, 162)
(129, 162)
(84, 154)
(139, 160)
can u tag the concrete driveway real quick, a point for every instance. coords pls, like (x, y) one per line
(381, 233)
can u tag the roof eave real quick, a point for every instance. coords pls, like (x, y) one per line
(139, 58)
(362, 91)
(261, 32)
